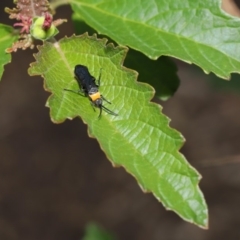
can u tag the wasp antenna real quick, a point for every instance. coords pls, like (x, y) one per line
(109, 111)
(105, 99)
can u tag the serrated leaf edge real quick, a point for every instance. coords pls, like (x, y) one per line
(104, 41)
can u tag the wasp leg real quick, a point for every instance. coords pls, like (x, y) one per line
(93, 106)
(105, 99)
(79, 92)
(99, 78)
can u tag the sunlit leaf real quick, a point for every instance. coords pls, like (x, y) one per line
(194, 31)
(139, 138)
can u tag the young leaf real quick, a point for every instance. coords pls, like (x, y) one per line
(94, 232)
(194, 31)
(139, 138)
(6, 40)
(161, 73)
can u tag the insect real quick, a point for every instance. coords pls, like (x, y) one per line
(88, 86)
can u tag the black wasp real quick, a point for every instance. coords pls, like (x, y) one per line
(88, 86)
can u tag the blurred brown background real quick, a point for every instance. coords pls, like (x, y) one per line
(54, 179)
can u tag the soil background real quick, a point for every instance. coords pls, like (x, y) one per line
(54, 179)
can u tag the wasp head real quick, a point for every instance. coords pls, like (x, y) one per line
(98, 102)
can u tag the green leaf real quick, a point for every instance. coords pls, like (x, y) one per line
(139, 139)
(161, 73)
(94, 232)
(6, 40)
(194, 31)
